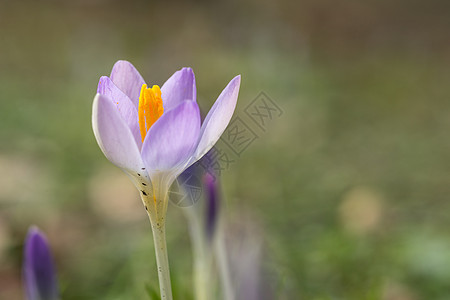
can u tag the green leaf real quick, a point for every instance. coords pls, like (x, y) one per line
(152, 292)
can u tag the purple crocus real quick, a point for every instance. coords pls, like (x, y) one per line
(212, 203)
(154, 134)
(38, 270)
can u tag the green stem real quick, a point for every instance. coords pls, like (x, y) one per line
(202, 259)
(222, 260)
(162, 260)
(156, 206)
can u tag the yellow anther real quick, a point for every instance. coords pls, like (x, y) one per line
(150, 108)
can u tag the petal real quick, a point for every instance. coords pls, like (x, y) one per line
(218, 118)
(128, 80)
(114, 136)
(126, 108)
(172, 139)
(179, 87)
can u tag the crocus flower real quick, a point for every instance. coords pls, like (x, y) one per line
(154, 134)
(38, 270)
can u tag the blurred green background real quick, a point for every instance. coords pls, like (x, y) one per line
(348, 190)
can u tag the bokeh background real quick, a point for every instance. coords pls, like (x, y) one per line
(347, 191)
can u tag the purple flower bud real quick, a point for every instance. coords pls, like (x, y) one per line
(202, 176)
(38, 270)
(212, 203)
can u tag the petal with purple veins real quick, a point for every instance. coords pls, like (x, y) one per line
(114, 136)
(178, 88)
(218, 118)
(172, 139)
(127, 110)
(128, 80)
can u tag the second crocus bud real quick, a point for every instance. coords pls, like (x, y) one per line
(38, 269)
(212, 204)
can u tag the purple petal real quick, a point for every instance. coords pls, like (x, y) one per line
(178, 88)
(38, 269)
(127, 110)
(172, 139)
(218, 118)
(128, 80)
(114, 136)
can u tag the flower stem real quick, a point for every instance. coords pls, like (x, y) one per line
(203, 282)
(222, 259)
(162, 261)
(155, 203)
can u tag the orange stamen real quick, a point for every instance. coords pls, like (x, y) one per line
(150, 108)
